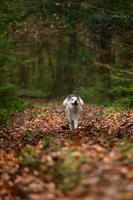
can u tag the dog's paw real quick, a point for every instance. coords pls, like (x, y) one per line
(65, 127)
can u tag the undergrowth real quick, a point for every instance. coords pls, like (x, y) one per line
(8, 106)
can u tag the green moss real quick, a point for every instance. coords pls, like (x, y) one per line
(126, 147)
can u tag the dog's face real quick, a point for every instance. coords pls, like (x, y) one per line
(73, 100)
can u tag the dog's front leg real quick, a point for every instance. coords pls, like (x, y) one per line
(75, 124)
(71, 125)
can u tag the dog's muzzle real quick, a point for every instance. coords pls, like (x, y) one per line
(75, 103)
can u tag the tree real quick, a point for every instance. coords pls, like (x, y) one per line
(72, 44)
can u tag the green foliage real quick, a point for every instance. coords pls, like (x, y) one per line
(123, 88)
(8, 102)
(7, 90)
(126, 102)
(86, 92)
(126, 148)
(3, 115)
(33, 93)
(50, 48)
(12, 103)
(8, 106)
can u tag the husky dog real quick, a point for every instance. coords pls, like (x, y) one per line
(73, 107)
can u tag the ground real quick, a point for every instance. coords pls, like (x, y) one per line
(42, 160)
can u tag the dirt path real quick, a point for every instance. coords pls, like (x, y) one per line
(42, 160)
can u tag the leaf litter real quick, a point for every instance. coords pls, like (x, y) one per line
(40, 159)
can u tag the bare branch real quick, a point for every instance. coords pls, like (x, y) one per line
(105, 65)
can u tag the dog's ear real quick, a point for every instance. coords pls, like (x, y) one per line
(65, 101)
(81, 101)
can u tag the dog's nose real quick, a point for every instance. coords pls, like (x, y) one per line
(76, 102)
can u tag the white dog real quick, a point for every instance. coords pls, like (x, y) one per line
(73, 108)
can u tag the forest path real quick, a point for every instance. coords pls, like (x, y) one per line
(42, 160)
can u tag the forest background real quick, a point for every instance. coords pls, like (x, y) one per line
(49, 48)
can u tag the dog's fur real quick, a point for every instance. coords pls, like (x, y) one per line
(73, 108)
